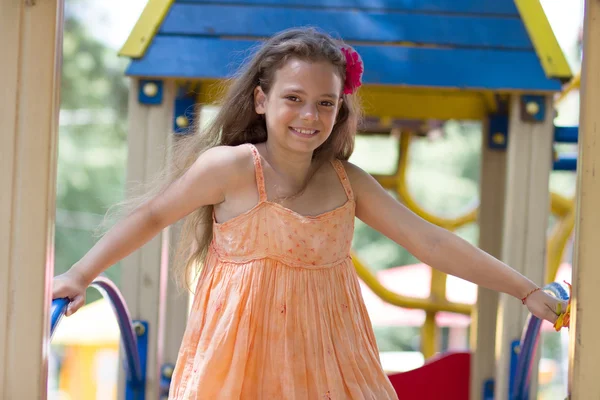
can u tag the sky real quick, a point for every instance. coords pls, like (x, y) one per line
(110, 21)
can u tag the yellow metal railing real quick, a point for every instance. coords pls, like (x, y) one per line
(560, 206)
(558, 241)
(368, 277)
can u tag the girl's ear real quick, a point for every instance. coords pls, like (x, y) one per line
(260, 100)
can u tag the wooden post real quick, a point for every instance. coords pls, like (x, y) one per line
(31, 34)
(145, 279)
(491, 217)
(585, 325)
(526, 219)
(177, 310)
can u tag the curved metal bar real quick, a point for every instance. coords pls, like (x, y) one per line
(557, 243)
(57, 310)
(402, 190)
(109, 290)
(529, 342)
(370, 279)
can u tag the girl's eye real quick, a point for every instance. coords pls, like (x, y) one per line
(292, 98)
(327, 103)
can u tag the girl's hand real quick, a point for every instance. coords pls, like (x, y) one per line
(72, 286)
(545, 306)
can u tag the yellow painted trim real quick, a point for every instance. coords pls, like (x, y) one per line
(405, 103)
(574, 84)
(212, 91)
(490, 102)
(544, 41)
(145, 28)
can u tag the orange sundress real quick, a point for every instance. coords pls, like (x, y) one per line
(278, 312)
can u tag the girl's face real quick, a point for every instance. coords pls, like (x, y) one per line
(302, 106)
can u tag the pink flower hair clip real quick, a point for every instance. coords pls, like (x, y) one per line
(354, 70)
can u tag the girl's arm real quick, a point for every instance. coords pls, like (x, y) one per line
(205, 183)
(437, 247)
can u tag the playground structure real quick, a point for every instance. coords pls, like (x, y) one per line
(445, 73)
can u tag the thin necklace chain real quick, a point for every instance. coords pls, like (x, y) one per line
(293, 196)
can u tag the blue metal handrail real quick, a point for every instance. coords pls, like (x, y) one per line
(129, 330)
(58, 309)
(528, 347)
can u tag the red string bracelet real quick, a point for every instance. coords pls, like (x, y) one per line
(529, 294)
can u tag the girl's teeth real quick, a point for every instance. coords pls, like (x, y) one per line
(305, 131)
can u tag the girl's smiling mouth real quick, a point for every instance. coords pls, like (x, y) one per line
(303, 132)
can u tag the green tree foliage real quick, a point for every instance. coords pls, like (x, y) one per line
(92, 141)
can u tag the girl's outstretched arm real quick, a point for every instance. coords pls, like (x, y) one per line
(440, 248)
(205, 182)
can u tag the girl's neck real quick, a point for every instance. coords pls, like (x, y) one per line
(290, 165)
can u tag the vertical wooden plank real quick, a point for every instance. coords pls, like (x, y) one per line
(177, 299)
(584, 345)
(10, 21)
(29, 76)
(491, 217)
(525, 224)
(145, 272)
(176, 309)
(137, 123)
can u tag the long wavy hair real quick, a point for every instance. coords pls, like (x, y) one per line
(237, 123)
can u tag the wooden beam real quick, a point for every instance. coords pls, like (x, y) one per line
(30, 80)
(525, 223)
(584, 344)
(145, 272)
(491, 217)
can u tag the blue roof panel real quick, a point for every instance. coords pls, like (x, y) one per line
(364, 26)
(201, 57)
(486, 7)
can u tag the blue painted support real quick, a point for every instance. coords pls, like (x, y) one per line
(494, 7)
(185, 57)
(488, 390)
(150, 92)
(184, 114)
(134, 336)
(515, 349)
(220, 20)
(529, 341)
(498, 131)
(533, 108)
(166, 374)
(134, 389)
(565, 162)
(566, 134)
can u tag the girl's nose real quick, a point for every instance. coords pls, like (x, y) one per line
(310, 112)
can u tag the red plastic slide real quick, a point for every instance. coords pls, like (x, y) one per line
(442, 378)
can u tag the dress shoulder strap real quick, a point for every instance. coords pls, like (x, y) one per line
(258, 170)
(341, 171)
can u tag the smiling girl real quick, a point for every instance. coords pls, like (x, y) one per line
(269, 201)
